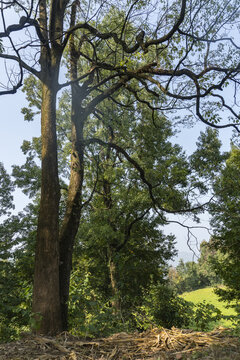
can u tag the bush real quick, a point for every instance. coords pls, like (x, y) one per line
(90, 311)
(92, 315)
(162, 307)
(204, 315)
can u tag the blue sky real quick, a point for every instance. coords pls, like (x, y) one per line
(13, 131)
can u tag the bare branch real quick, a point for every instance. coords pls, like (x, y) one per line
(105, 94)
(22, 64)
(172, 31)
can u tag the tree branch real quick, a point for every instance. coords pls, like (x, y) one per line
(143, 177)
(172, 31)
(22, 63)
(128, 229)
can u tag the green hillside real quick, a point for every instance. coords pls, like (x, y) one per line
(209, 296)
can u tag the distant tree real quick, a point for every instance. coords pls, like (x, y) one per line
(189, 276)
(208, 255)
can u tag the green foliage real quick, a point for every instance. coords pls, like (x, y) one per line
(236, 320)
(6, 189)
(90, 310)
(191, 275)
(162, 307)
(205, 314)
(118, 227)
(188, 277)
(121, 250)
(225, 221)
(91, 313)
(119, 200)
(15, 296)
(35, 321)
(209, 295)
(17, 244)
(32, 86)
(205, 263)
(14, 289)
(28, 177)
(207, 160)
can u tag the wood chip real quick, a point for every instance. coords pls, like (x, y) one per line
(155, 343)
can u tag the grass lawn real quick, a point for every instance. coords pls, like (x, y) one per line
(210, 297)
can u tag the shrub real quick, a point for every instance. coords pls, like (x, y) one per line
(204, 315)
(162, 307)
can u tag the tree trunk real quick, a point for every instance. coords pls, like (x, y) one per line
(46, 300)
(46, 293)
(113, 281)
(72, 216)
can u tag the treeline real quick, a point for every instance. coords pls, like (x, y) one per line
(194, 275)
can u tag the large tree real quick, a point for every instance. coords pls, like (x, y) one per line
(178, 55)
(225, 223)
(121, 217)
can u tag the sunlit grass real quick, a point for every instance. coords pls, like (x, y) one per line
(210, 297)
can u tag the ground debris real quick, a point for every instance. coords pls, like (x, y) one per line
(153, 344)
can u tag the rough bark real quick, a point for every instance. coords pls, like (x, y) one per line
(46, 296)
(46, 302)
(72, 216)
